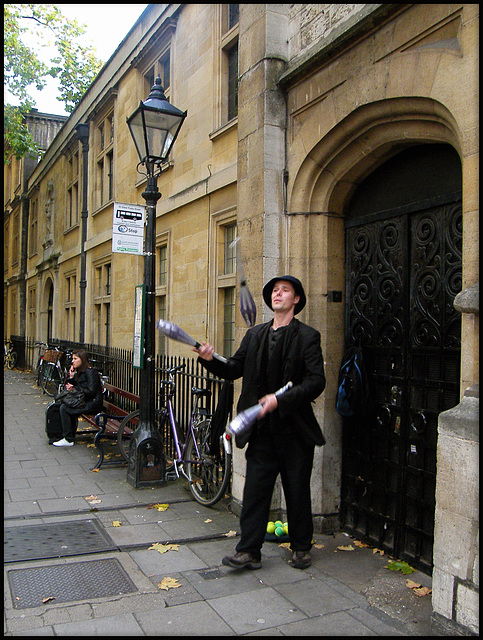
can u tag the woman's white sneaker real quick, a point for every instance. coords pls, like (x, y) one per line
(63, 443)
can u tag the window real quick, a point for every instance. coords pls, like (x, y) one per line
(32, 311)
(33, 227)
(232, 56)
(72, 209)
(6, 245)
(228, 63)
(229, 321)
(102, 303)
(104, 175)
(16, 238)
(226, 284)
(70, 304)
(161, 67)
(233, 15)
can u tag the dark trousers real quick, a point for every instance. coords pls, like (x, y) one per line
(267, 457)
(68, 418)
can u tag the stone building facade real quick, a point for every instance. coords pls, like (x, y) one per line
(343, 150)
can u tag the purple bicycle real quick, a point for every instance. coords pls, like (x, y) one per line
(202, 457)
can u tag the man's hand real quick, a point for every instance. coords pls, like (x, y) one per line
(205, 351)
(269, 403)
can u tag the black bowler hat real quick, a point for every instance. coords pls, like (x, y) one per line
(297, 285)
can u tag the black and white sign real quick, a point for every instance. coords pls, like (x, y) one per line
(128, 228)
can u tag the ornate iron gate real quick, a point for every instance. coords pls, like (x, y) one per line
(403, 272)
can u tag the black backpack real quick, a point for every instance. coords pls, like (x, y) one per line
(353, 385)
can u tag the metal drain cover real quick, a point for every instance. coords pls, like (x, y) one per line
(56, 540)
(211, 574)
(68, 582)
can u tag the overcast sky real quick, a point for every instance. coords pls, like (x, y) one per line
(107, 25)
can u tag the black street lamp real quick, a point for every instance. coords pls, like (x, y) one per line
(154, 127)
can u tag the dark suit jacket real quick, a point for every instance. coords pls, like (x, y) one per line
(302, 363)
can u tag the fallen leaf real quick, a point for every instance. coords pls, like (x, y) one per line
(45, 600)
(399, 565)
(91, 498)
(94, 501)
(95, 470)
(319, 546)
(116, 523)
(360, 544)
(422, 591)
(230, 534)
(374, 551)
(160, 507)
(348, 548)
(169, 583)
(163, 548)
(411, 584)
(284, 545)
(208, 520)
(91, 445)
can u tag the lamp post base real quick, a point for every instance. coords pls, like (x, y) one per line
(147, 462)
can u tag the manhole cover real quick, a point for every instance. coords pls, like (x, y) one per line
(211, 574)
(68, 582)
(41, 541)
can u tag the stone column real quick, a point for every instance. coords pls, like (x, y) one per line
(455, 588)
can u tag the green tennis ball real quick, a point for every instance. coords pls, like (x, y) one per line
(278, 523)
(285, 528)
(271, 527)
(279, 531)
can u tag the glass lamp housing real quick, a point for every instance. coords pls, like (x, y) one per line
(154, 126)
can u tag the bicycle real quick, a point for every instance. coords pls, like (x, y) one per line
(9, 355)
(203, 459)
(55, 366)
(40, 362)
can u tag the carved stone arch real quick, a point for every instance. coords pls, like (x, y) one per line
(362, 141)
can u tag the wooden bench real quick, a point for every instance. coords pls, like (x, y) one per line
(107, 422)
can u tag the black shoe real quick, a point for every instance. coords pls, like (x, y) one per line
(242, 559)
(301, 559)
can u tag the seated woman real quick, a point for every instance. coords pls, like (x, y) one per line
(82, 376)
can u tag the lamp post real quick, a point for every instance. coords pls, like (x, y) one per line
(154, 127)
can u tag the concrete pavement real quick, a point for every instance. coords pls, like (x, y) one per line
(108, 581)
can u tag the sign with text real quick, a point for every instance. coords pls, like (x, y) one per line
(138, 341)
(128, 228)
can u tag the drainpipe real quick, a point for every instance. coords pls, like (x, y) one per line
(83, 135)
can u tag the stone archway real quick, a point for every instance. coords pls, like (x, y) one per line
(362, 141)
(317, 197)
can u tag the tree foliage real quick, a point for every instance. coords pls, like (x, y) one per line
(73, 63)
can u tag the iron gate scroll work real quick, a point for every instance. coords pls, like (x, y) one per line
(403, 273)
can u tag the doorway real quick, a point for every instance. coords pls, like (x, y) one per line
(403, 271)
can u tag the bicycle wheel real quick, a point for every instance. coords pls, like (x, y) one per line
(127, 427)
(209, 473)
(12, 360)
(50, 379)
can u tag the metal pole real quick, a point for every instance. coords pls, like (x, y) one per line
(148, 373)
